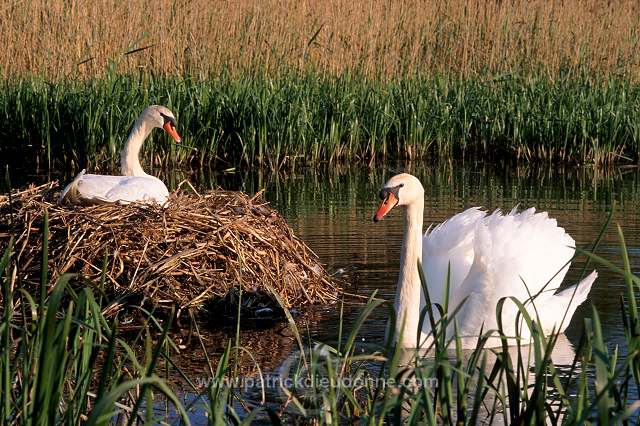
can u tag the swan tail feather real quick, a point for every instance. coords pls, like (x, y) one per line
(568, 301)
(70, 192)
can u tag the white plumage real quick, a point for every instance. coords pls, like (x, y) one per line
(102, 189)
(135, 185)
(491, 256)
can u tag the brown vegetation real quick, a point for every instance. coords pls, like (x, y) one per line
(80, 38)
(197, 249)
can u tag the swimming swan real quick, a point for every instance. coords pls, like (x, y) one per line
(491, 256)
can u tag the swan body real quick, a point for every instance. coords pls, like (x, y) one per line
(87, 189)
(491, 256)
(134, 185)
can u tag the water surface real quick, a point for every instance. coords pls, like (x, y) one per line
(332, 213)
(332, 210)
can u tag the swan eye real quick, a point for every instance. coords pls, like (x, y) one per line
(169, 120)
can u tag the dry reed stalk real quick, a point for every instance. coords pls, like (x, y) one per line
(198, 37)
(197, 249)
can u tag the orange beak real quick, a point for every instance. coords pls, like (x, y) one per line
(389, 202)
(172, 131)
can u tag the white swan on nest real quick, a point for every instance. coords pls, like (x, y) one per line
(135, 184)
(491, 257)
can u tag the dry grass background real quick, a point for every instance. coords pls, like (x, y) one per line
(83, 39)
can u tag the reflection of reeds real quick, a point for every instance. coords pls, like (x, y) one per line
(450, 187)
(81, 38)
(329, 208)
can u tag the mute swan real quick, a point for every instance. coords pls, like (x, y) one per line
(135, 184)
(491, 256)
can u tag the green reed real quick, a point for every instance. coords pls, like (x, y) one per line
(516, 385)
(308, 120)
(63, 362)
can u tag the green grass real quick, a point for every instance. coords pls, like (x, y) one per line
(58, 357)
(63, 362)
(310, 120)
(517, 385)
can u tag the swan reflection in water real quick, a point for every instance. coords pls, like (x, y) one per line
(493, 410)
(416, 369)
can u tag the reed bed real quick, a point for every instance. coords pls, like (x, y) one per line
(199, 248)
(277, 84)
(307, 120)
(377, 39)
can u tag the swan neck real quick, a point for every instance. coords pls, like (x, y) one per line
(130, 154)
(408, 293)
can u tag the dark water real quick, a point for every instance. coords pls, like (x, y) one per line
(332, 213)
(332, 210)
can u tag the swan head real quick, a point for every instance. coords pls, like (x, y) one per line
(401, 190)
(162, 118)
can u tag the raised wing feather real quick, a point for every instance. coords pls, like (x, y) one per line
(519, 254)
(450, 243)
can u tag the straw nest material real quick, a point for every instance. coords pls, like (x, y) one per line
(197, 249)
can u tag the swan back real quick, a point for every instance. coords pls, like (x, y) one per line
(87, 189)
(519, 255)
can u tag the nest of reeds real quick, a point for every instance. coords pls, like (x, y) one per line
(198, 249)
